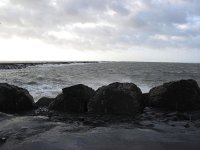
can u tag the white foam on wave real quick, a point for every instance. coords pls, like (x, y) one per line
(43, 90)
(144, 88)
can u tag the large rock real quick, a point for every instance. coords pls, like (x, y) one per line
(73, 99)
(145, 99)
(182, 95)
(14, 99)
(57, 103)
(44, 102)
(117, 98)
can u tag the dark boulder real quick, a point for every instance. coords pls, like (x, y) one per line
(182, 95)
(14, 99)
(57, 103)
(145, 99)
(73, 99)
(44, 102)
(117, 98)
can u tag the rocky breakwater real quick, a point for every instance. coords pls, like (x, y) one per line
(167, 117)
(113, 99)
(172, 101)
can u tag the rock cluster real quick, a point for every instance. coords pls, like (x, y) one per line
(114, 99)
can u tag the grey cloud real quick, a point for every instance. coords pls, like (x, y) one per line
(107, 24)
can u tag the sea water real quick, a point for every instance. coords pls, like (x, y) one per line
(48, 80)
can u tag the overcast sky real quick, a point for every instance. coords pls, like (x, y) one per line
(115, 30)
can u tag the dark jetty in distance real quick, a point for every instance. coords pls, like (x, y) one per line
(21, 65)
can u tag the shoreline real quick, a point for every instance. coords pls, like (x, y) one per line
(49, 125)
